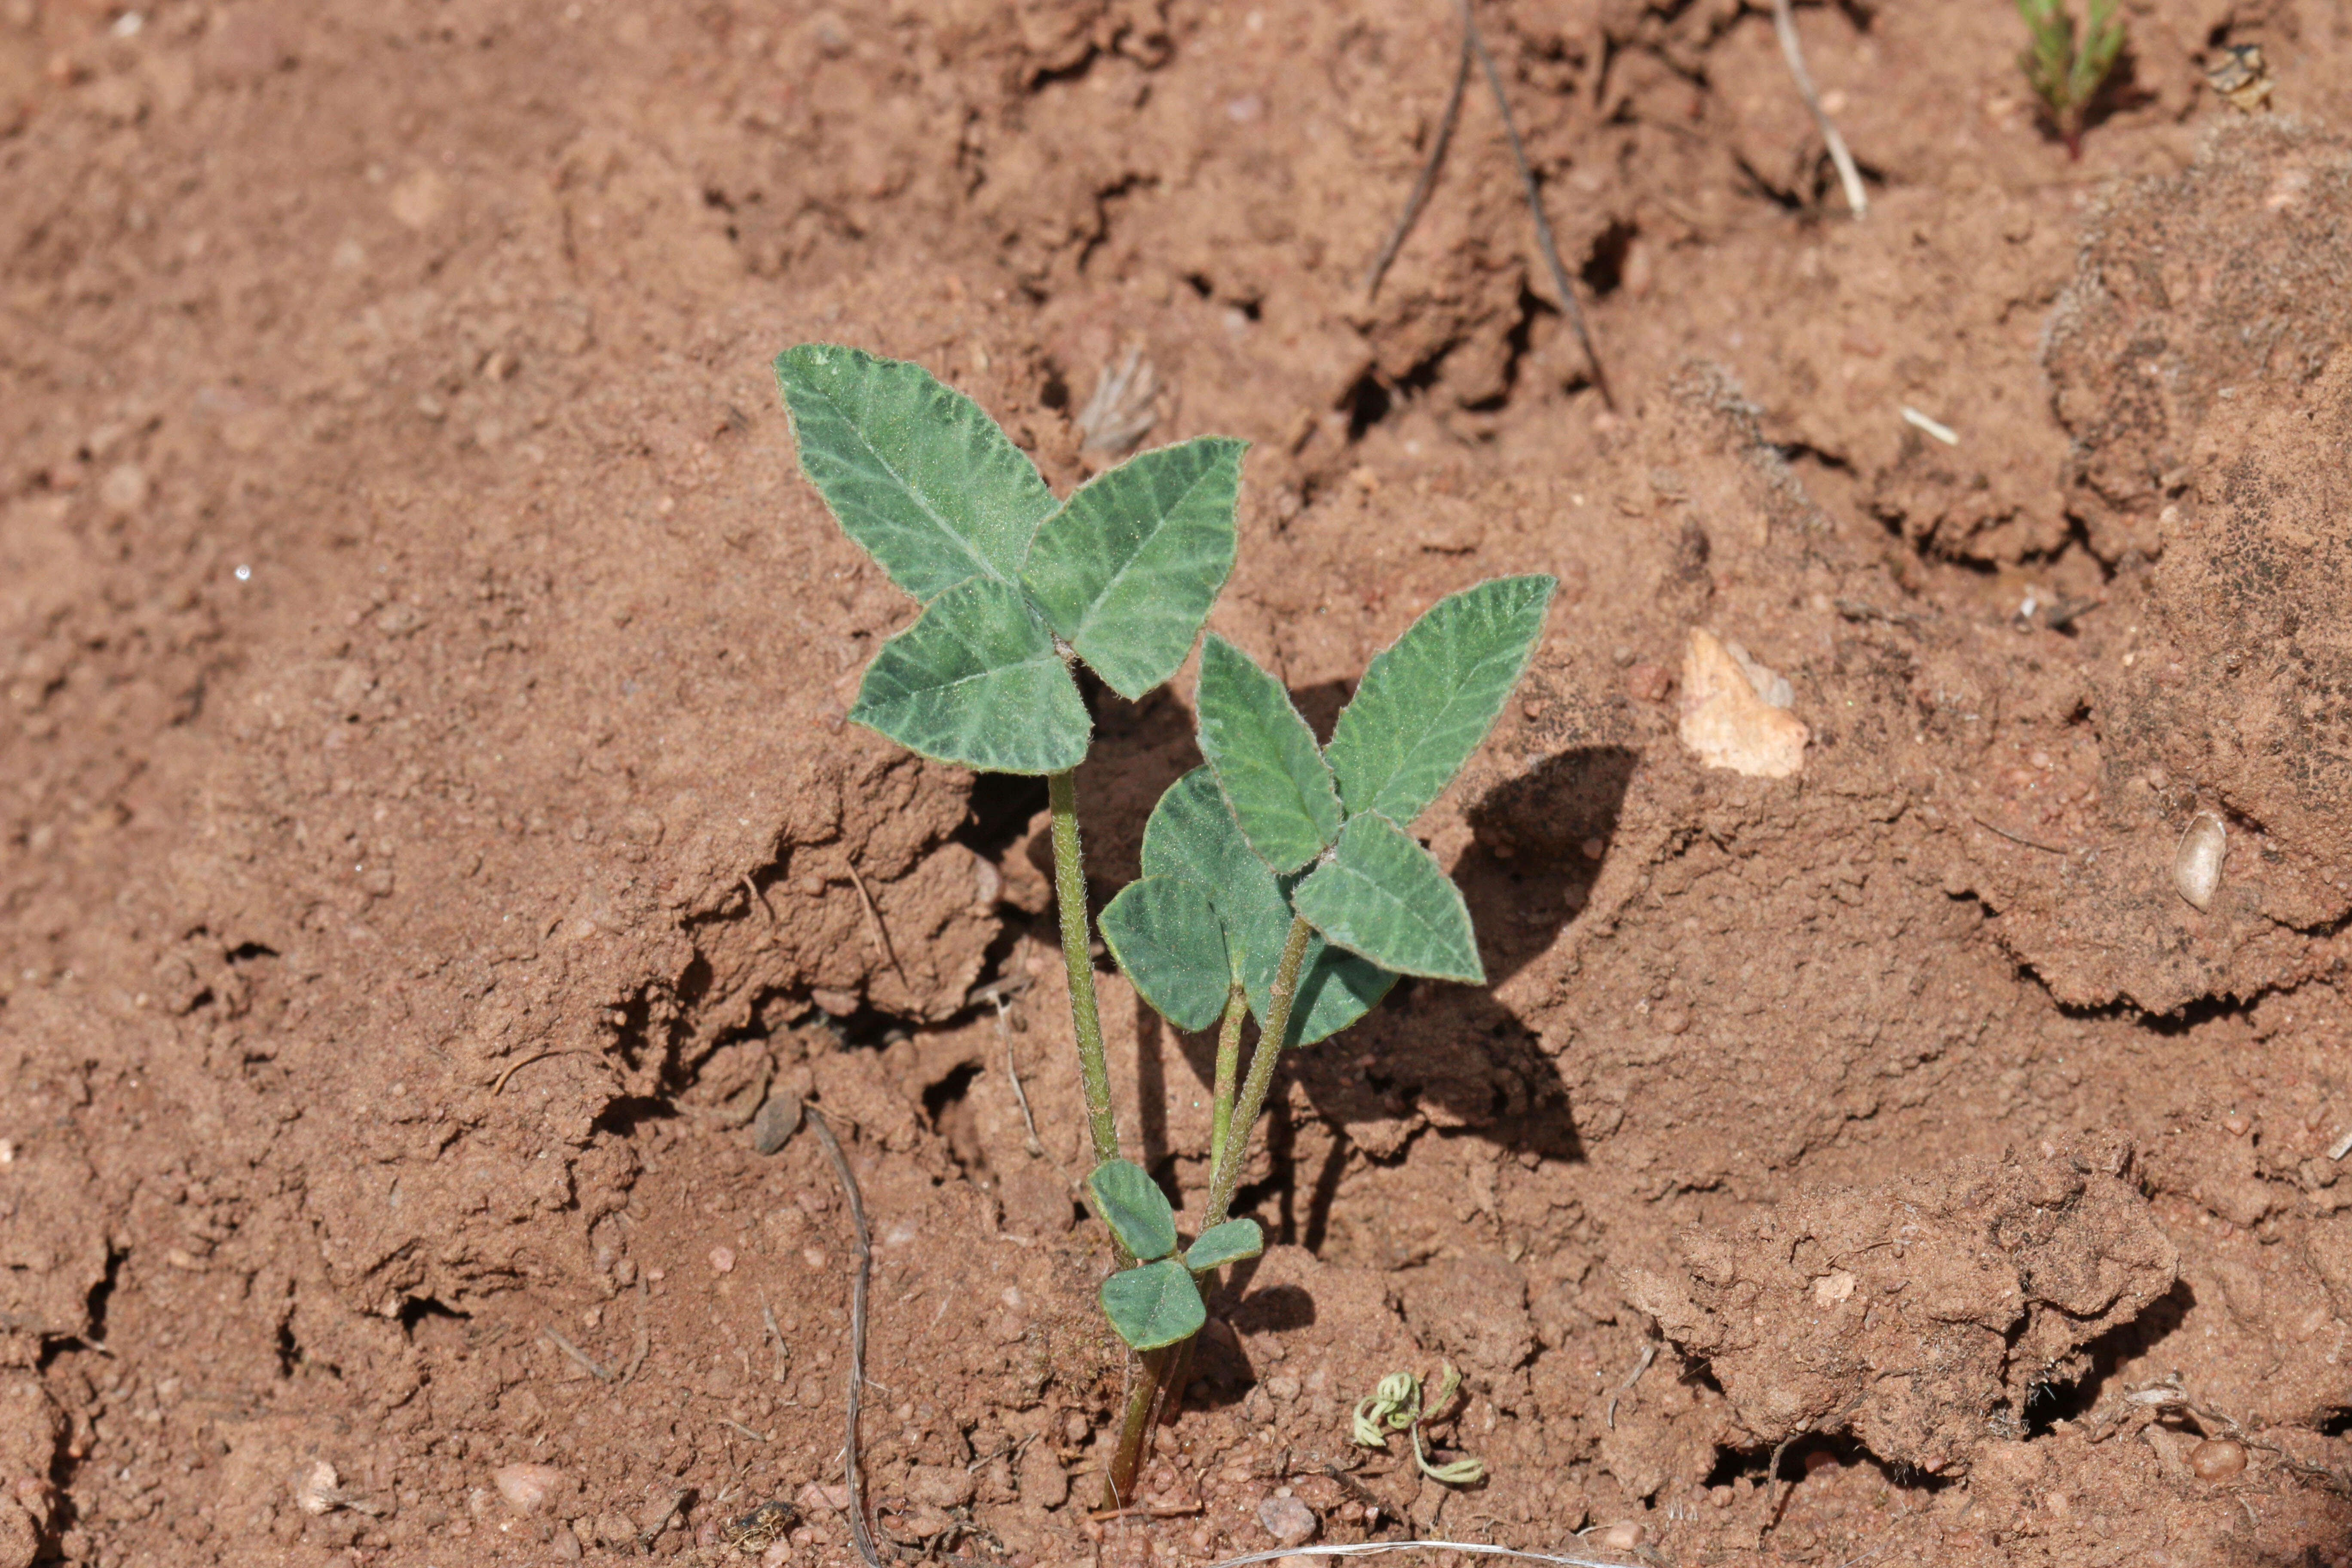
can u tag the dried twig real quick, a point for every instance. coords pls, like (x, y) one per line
(1036, 1148)
(644, 1333)
(859, 1281)
(576, 1353)
(1372, 1548)
(1567, 301)
(2018, 838)
(1421, 187)
(881, 932)
(1785, 26)
(1649, 1355)
(516, 1066)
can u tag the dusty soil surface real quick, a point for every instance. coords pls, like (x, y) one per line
(429, 832)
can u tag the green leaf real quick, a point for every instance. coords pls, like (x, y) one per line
(1191, 836)
(1167, 938)
(1385, 897)
(917, 473)
(1155, 1305)
(1134, 1207)
(976, 681)
(1127, 570)
(1223, 1244)
(1265, 759)
(1428, 699)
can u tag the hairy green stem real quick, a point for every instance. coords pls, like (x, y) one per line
(1085, 1018)
(1135, 1427)
(1227, 1173)
(1229, 1072)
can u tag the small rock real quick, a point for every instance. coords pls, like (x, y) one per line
(941, 1486)
(1289, 1520)
(1625, 1535)
(2217, 1458)
(2197, 864)
(566, 1543)
(1727, 721)
(1043, 1479)
(778, 1120)
(317, 1488)
(815, 1498)
(723, 1260)
(527, 1488)
(1648, 683)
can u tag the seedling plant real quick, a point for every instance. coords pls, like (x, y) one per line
(1394, 1406)
(2067, 72)
(1281, 882)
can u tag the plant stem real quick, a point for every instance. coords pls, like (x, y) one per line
(1227, 1174)
(1119, 1486)
(1085, 1018)
(1229, 1072)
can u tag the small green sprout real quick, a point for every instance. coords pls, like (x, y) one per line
(1158, 1302)
(2066, 75)
(1394, 1406)
(1281, 881)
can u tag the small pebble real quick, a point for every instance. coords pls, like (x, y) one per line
(723, 1260)
(316, 1487)
(1290, 1521)
(2217, 1458)
(778, 1120)
(527, 1488)
(2197, 864)
(1622, 1536)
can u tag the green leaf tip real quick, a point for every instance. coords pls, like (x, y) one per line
(1126, 570)
(1385, 897)
(1155, 1305)
(918, 474)
(1132, 1205)
(1221, 1244)
(1265, 759)
(977, 681)
(1165, 934)
(1428, 699)
(1192, 837)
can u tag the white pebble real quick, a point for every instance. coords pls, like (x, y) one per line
(527, 1488)
(2197, 864)
(317, 1488)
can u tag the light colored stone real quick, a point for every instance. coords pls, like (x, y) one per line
(1288, 1520)
(527, 1488)
(1726, 721)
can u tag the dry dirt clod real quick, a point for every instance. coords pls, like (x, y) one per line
(2197, 864)
(1289, 1520)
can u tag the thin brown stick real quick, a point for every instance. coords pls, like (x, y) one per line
(514, 1068)
(576, 1353)
(1569, 302)
(858, 1528)
(880, 932)
(2018, 838)
(1020, 1098)
(1784, 25)
(1428, 179)
(644, 1334)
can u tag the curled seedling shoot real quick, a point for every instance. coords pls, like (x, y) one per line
(1394, 1406)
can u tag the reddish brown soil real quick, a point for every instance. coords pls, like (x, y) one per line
(429, 830)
